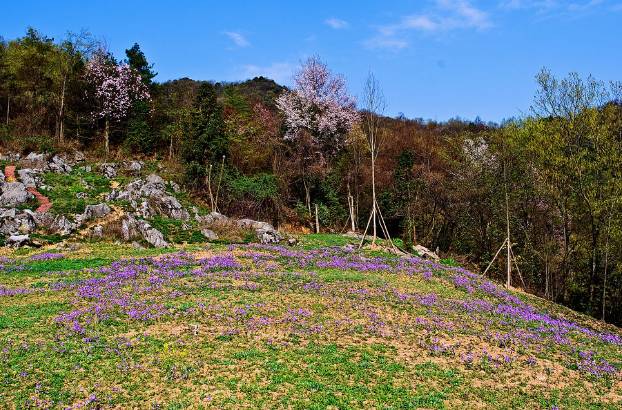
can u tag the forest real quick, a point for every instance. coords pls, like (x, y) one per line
(552, 175)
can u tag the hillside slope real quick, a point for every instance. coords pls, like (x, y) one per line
(46, 198)
(311, 326)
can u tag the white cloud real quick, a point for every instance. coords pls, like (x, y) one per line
(386, 42)
(336, 23)
(444, 16)
(552, 6)
(237, 38)
(281, 72)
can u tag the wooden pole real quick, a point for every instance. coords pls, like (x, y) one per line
(317, 221)
(495, 257)
(507, 220)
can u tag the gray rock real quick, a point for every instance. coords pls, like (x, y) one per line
(264, 231)
(174, 186)
(154, 179)
(28, 177)
(213, 218)
(13, 194)
(132, 228)
(11, 157)
(59, 165)
(168, 206)
(2, 179)
(95, 212)
(78, 156)
(292, 241)
(13, 222)
(33, 156)
(268, 236)
(98, 231)
(108, 169)
(209, 234)
(18, 240)
(62, 226)
(425, 253)
(134, 166)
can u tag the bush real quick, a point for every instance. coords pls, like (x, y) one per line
(259, 187)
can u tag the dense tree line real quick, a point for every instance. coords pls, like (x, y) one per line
(271, 154)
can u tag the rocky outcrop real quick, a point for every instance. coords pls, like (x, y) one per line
(28, 177)
(14, 194)
(264, 231)
(14, 222)
(63, 226)
(95, 212)
(149, 198)
(108, 169)
(60, 165)
(132, 228)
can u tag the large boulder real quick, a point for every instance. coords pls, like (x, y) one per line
(264, 231)
(95, 212)
(14, 194)
(152, 186)
(28, 177)
(132, 228)
(425, 253)
(149, 198)
(35, 161)
(168, 206)
(209, 234)
(62, 226)
(18, 240)
(14, 222)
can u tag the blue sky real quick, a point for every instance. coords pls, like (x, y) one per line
(435, 59)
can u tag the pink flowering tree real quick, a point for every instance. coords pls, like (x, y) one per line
(114, 88)
(318, 113)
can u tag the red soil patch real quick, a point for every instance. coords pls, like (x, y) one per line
(9, 172)
(44, 202)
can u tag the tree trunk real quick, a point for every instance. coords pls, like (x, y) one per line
(606, 268)
(373, 190)
(61, 113)
(8, 109)
(317, 221)
(170, 148)
(107, 137)
(508, 281)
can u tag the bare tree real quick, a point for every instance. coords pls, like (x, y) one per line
(373, 108)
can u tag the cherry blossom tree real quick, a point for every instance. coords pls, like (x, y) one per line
(114, 88)
(319, 113)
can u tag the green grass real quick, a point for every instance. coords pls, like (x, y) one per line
(212, 349)
(63, 190)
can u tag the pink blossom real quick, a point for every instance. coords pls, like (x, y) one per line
(319, 104)
(115, 87)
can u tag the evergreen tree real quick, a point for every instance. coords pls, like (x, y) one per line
(137, 60)
(209, 141)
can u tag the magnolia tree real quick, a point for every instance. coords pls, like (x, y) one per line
(319, 113)
(114, 88)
